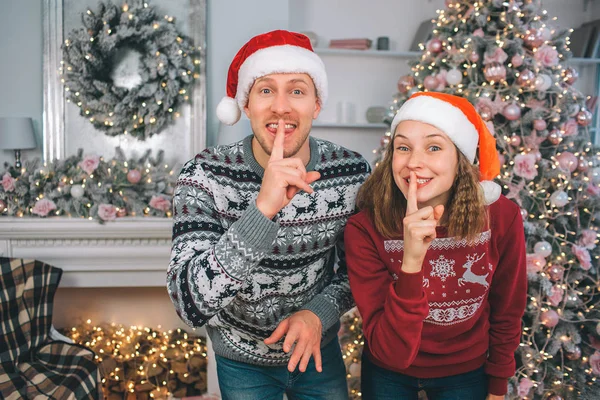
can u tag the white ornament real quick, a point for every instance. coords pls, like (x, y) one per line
(559, 198)
(543, 82)
(598, 328)
(595, 176)
(542, 248)
(77, 191)
(454, 77)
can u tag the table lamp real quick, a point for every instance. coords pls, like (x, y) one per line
(16, 133)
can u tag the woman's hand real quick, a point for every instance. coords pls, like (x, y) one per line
(419, 228)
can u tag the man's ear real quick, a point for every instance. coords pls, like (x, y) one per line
(317, 108)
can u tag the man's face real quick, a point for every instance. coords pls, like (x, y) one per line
(291, 97)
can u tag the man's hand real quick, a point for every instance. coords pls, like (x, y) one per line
(304, 329)
(419, 228)
(283, 178)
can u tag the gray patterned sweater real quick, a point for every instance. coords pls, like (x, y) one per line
(242, 273)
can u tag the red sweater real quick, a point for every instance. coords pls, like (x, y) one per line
(461, 311)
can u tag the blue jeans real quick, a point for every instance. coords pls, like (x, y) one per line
(381, 384)
(242, 381)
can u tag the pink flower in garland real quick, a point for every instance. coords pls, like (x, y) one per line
(525, 386)
(43, 207)
(498, 56)
(588, 239)
(557, 296)
(89, 163)
(569, 128)
(160, 203)
(8, 182)
(535, 263)
(525, 166)
(546, 56)
(583, 256)
(107, 212)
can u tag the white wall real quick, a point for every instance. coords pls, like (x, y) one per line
(21, 67)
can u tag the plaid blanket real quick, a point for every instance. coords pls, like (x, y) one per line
(32, 366)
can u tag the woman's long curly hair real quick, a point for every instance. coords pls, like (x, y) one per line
(381, 198)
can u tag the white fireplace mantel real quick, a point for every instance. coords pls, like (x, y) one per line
(128, 252)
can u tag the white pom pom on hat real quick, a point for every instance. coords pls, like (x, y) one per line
(269, 53)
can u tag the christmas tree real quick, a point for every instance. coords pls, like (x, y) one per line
(508, 61)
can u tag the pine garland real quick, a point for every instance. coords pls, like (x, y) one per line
(169, 64)
(89, 187)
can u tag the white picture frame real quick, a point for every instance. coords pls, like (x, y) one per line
(65, 131)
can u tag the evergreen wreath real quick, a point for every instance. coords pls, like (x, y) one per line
(168, 66)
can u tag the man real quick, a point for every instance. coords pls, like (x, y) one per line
(256, 229)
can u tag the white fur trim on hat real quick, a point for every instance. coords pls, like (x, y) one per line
(228, 111)
(281, 59)
(444, 116)
(491, 191)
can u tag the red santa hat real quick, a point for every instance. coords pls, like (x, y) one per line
(270, 53)
(458, 119)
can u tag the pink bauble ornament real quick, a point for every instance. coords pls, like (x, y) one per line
(494, 72)
(430, 82)
(516, 60)
(583, 164)
(474, 56)
(575, 354)
(539, 125)
(549, 318)
(2, 206)
(405, 83)
(532, 39)
(515, 140)
(567, 161)
(454, 76)
(512, 112)
(121, 213)
(434, 45)
(555, 137)
(556, 272)
(584, 117)
(542, 82)
(526, 78)
(570, 75)
(134, 176)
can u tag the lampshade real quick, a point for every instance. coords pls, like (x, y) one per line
(16, 133)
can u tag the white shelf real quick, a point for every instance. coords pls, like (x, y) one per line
(364, 125)
(368, 53)
(415, 54)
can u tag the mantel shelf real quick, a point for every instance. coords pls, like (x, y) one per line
(128, 252)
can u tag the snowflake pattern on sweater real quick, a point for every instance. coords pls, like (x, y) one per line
(241, 273)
